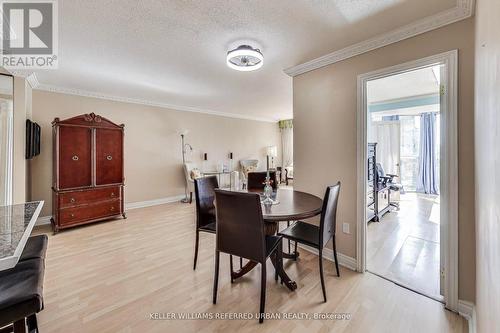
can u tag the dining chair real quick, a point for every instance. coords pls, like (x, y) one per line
(205, 210)
(246, 167)
(256, 180)
(240, 232)
(318, 236)
(189, 168)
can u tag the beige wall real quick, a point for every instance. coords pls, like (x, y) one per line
(487, 124)
(324, 103)
(153, 160)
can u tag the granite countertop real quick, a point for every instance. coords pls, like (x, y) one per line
(16, 224)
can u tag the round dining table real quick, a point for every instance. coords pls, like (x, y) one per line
(290, 205)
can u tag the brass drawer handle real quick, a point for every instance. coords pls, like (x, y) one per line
(75, 158)
(112, 194)
(72, 215)
(109, 157)
(112, 208)
(72, 200)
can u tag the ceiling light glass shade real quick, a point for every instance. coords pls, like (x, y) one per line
(245, 58)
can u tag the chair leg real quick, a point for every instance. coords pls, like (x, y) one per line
(20, 326)
(241, 262)
(190, 197)
(277, 260)
(289, 243)
(32, 324)
(216, 276)
(320, 256)
(335, 257)
(262, 292)
(197, 240)
(280, 257)
(231, 266)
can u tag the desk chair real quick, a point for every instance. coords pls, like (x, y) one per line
(387, 180)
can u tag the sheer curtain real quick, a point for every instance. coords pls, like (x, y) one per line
(428, 175)
(388, 145)
(286, 128)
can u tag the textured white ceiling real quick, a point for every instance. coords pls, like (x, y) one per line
(173, 51)
(419, 82)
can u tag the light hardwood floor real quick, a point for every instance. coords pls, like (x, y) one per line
(404, 245)
(109, 277)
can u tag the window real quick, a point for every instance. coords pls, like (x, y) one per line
(410, 149)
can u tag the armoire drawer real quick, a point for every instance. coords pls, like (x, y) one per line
(94, 211)
(77, 198)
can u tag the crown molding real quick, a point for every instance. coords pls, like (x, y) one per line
(27, 75)
(33, 80)
(91, 94)
(463, 10)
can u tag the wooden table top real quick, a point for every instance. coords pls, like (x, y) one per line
(293, 205)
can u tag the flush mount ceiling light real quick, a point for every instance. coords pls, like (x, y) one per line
(245, 58)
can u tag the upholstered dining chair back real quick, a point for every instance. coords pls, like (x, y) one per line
(204, 189)
(248, 166)
(328, 222)
(256, 180)
(188, 167)
(240, 226)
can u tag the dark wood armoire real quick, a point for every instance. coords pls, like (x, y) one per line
(88, 176)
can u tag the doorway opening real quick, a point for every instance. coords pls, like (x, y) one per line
(407, 176)
(403, 121)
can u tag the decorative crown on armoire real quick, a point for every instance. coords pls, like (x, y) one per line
(88, 176)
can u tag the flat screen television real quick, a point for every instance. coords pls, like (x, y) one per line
(33, 133)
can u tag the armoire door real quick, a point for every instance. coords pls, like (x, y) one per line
(109, 156)
(75, 157)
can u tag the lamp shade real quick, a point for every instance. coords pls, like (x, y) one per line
(272, 151)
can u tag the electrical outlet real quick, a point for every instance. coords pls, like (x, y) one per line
(345, 228)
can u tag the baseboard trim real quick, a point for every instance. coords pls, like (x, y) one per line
(468, 310)
(154, 202)
(344, 260)
(44, 220)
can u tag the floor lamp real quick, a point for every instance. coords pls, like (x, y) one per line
(185, 147)
(272, 152)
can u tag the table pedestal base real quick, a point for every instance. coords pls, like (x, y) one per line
(281, 272)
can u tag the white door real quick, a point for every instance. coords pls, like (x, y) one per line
(442, 226)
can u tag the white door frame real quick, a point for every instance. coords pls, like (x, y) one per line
(448, 170)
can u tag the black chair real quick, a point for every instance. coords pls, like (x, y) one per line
(35, 248)
(21, 288)
(240, 232)
(205, 210)
(257, 180)
(318, 237)
(387, 180)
